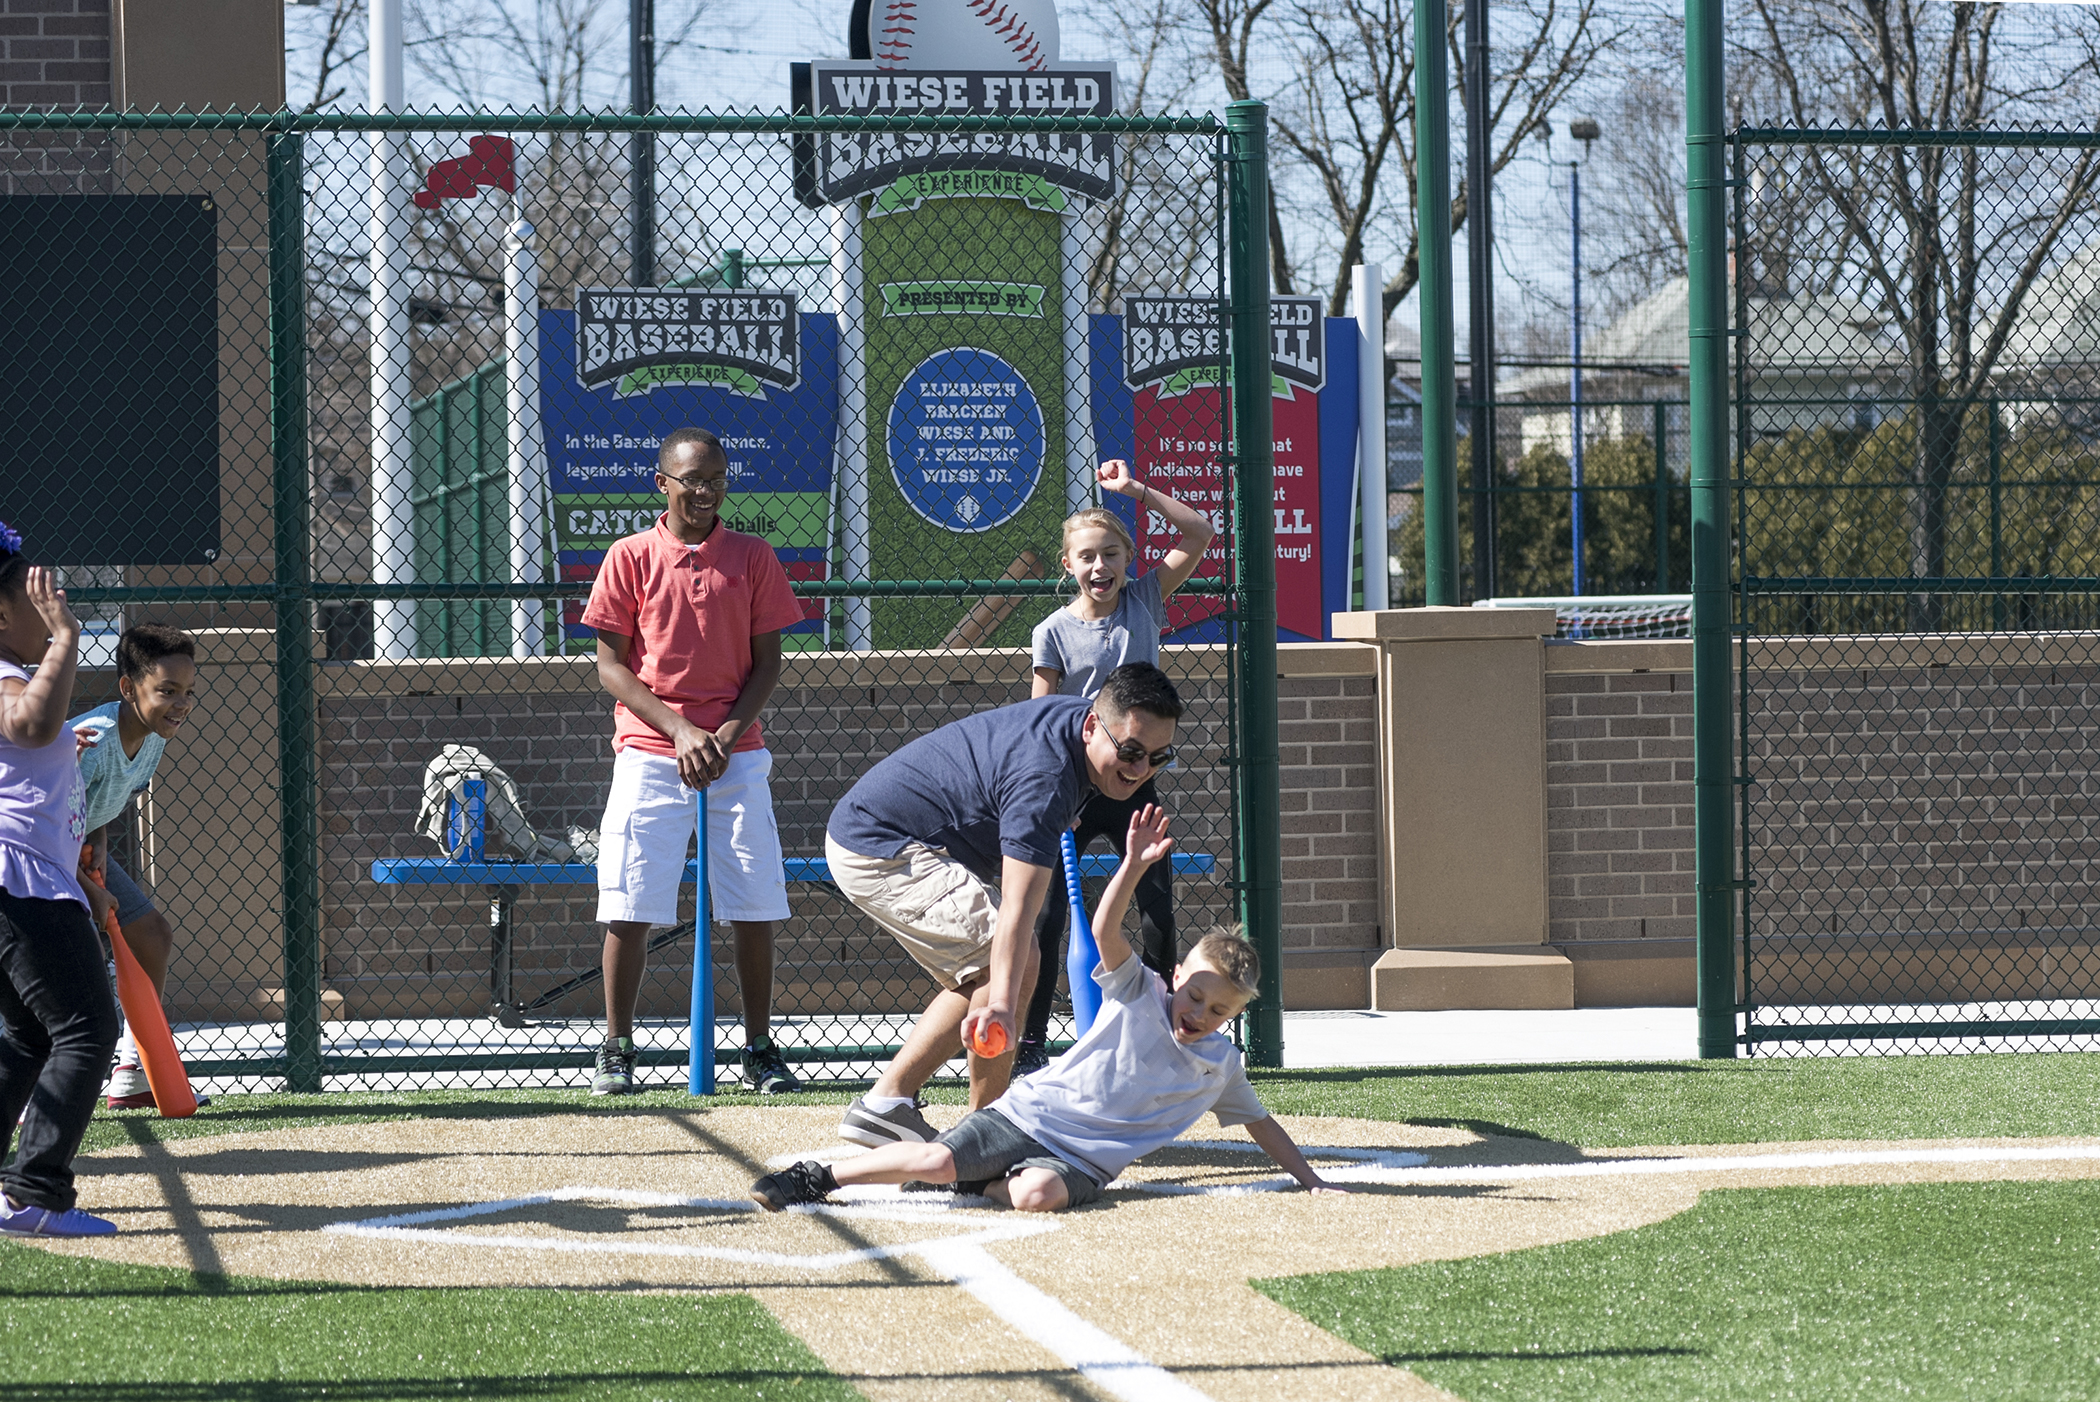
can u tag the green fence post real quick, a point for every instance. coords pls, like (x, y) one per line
(1662, 498)
(295, 775)
(1254, 469)
(1433, 265)
(1713, 772)
(1997, 454)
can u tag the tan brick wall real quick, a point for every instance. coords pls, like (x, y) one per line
(1945, 806)
(1328, 727)
(1619, 806)
(397, 950)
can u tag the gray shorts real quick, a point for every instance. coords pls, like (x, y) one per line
(133, 900)
(989, 1146)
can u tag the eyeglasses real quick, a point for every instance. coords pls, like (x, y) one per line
(1132, 751)
(713, 486)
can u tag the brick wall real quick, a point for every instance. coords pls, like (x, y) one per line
(405, 950)
(1328, 728)
(55, 54)
(1924, 798)
(1619, 806)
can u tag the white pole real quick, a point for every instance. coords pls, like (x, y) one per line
(1368, 288)
(1079, 398)
(393, 470)
(850, 461)
(521, 403)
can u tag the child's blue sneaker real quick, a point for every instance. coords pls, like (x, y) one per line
(42, 1221)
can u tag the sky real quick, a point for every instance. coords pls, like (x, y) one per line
(737, 52)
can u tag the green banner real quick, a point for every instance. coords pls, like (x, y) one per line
(979, 242)
(1182, 381)
(786, 520)
(961, 299)
(908, 192)
(650, 376)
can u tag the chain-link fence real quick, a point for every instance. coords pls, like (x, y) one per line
(1918, 684)
(1635, 535)
(363, 402)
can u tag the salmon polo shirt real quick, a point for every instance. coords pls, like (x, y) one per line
(692, 611)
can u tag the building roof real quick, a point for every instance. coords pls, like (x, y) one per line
(1822, 335)
(2059, 323)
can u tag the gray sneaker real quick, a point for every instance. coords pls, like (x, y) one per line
(615, 1068)
(903, 1125)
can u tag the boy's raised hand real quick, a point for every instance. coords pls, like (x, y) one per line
(1148, 841)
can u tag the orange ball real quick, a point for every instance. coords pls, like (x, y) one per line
(990, 1042)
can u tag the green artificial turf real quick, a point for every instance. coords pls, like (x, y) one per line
(1911, 1291)
(1607, 1106)
(1719, 1102)
(75, 1329)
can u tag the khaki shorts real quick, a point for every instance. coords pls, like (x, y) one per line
(940, 911)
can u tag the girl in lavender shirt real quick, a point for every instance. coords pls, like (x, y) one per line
(58, 1022)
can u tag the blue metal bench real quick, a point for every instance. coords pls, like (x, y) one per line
(466, 831)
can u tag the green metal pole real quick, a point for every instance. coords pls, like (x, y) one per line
(1433, 289)
(1254, 471)
(1713, 771)
(295, 700)
(1662, 498)
(1997, 454)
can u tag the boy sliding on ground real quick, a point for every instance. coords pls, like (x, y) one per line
(1150, 1066)
(688, 615)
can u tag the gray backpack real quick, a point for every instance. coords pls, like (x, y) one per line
(445, 816)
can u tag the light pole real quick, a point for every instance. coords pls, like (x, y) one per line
(1480, 290)
(1585, 130)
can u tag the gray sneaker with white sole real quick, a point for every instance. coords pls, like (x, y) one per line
(903, 1125)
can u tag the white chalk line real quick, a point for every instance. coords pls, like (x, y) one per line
(1724, 1163)
(1088, 1350)
(1422, 1172)
(1083, 1347)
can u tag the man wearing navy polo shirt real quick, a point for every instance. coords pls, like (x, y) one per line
(950, 843)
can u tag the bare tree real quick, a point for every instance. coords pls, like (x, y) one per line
(330, 55)
(1344, 117)
(1153, 231)
(1945, 241)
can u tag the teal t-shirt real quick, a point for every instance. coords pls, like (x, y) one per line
(108, 776)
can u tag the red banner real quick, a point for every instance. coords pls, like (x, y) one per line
(1178, 450)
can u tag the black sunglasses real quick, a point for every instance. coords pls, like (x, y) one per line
(1131, 751)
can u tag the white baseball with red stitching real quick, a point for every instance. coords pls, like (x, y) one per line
(990, 34)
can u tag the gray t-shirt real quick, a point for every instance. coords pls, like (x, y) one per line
(1127, 1086)
(1086, 650)
(1001, 783)
(111, 777)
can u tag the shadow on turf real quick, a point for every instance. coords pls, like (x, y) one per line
(578, 1385)
(1523, 1355)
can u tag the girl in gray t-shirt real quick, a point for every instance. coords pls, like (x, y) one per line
(1112, 619)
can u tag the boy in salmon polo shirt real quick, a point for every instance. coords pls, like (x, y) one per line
(688, 615)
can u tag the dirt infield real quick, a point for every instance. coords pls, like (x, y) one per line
(1000, 1305)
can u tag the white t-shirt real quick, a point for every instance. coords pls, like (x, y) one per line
(1127, 1086)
